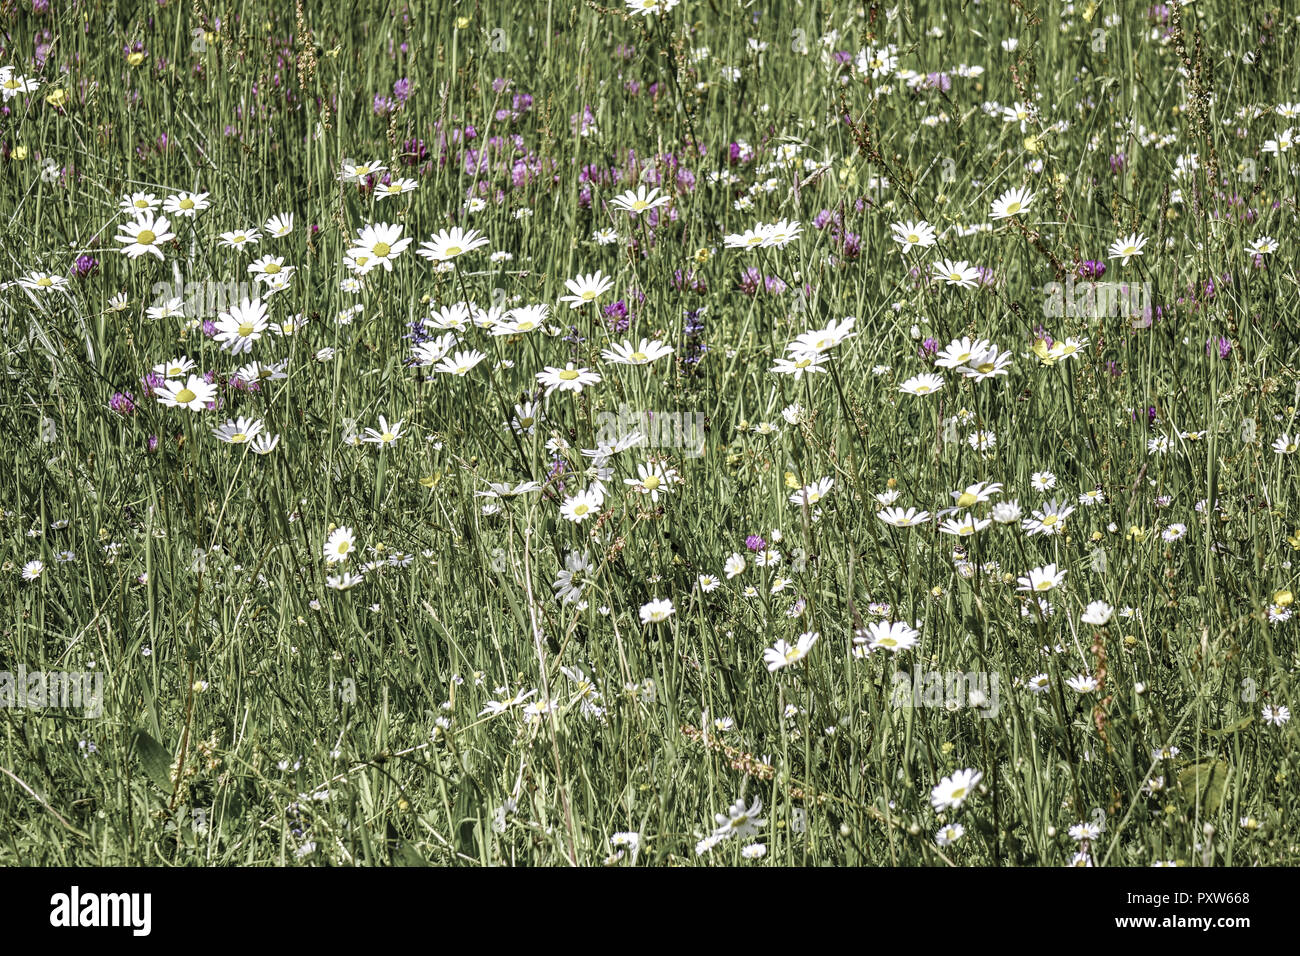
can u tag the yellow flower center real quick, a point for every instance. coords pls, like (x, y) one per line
(581, 509)
(454, 250)
(1013, 208)
(382, 249)
(186, 204)
(589, 295)
(651, 482)
(639, 357)
(271, 268)
(145, 237)
(246, 329)
(45, 281)
(569, 374)
(185, 396)
(238, 438)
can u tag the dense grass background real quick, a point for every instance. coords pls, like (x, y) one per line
(305, 721)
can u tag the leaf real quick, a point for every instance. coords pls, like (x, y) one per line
(156, 761)
(1206, 782)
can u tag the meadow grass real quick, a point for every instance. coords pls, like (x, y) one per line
(355, 648)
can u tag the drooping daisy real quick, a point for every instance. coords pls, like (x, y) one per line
(528, 318)
(194, 393)
(380, 243)
(339, 545)
(567, 379)
(237, 431)
(1082, 683)
(188, 205)
(578, 508)
(239, 238)
(1048, 520)
(783, 654)
(13, 83)
(385, 435)
(280, 225)
(651, 480)
(1127, 247)
(1013, 202)
(1285, 140)
(352, 173)
(912, 235)
(586, 289)
(1097, 613)
(449, 243)
(952, 792)
(892, 636)
(461, 363)
(960, 351)
(243, 325)
(820, 340)
(813, 494)
(137, 204)
(735, 565)
(925, 384)
(1263, 246)
(648, 8)
(639, 201)
(264, 444)
(749, 239)
(397, 187)
(964, 527)
(987, 365)
(797, 366)
(1041, 579)
(175, 368)
(903, 519)
(625, 353)
(267, 267)
(961, 274)
(656, 611)
(43, 282)
(781, 232)
(144, 236)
